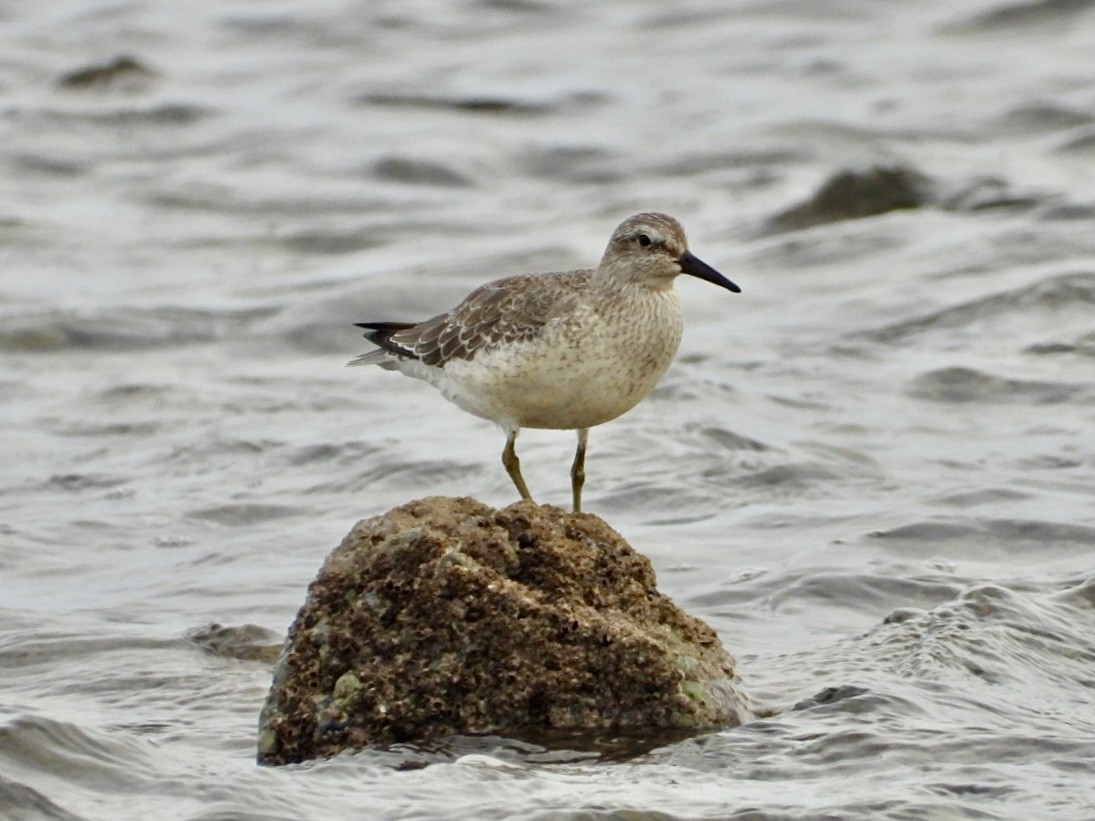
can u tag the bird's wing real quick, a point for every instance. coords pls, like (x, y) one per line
(508, 310)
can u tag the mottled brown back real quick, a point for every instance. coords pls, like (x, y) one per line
(514, 309)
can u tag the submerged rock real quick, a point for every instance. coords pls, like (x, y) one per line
(850, 195)
(857, 194)
(122, 71)
(447, 616)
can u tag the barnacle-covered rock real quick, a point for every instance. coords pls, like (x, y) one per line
(447, 616)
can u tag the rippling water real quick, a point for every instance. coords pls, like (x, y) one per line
(872, 472)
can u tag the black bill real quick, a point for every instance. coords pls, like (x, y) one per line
(698, 268)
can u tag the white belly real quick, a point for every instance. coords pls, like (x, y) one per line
(584, 370)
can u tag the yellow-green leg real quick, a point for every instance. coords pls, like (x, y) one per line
(578, 469)
(513, 466)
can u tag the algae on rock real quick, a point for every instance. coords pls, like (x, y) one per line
(448, 616)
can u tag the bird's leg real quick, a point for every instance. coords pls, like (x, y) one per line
(578, 469)
(513, 466)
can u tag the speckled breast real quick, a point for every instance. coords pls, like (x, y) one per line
(584, 371)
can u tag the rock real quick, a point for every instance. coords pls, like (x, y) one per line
(123, 71)
(247, 642)
(446, 616)
(857, 194)
(419, 172)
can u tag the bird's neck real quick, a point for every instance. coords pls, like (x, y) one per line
(613, 282)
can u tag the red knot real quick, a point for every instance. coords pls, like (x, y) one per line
(563, 351)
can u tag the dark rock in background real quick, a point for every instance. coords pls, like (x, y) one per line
(849, 195)
(856, 194)
(123, 72)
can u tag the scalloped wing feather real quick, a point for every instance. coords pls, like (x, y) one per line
(510, 310)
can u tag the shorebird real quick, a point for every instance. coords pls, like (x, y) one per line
(563, 351)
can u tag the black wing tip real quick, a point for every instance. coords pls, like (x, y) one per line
(380, 334)
(385, 327)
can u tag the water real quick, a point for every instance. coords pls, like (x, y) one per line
(871, 472)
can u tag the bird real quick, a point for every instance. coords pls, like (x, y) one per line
(563, 350)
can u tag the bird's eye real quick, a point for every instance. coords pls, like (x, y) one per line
(644, 240)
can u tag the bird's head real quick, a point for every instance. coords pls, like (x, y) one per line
(651, 249)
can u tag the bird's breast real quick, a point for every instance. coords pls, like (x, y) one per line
(588, 367)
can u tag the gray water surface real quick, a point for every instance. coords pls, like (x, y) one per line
(872, 472)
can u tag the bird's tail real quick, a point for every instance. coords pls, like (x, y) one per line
(377, 357)
(380, 334)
